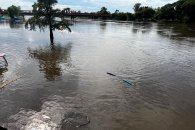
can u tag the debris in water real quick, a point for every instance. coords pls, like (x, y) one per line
(9, 82)
(73, 119)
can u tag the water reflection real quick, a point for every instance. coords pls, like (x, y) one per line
(177, 31)
(15, 25)
(103, 26)
(50, 59)
(141, 27)
(162, 70)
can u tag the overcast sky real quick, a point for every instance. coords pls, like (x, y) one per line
(90, 5)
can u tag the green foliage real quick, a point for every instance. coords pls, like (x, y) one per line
(179, 9)
(130, 16)
(182, 10)
(13, 11)
(136, 7)
(1, 12)
(145, 13)
(168, 12)
(66, 10)
(122, 16)
(189, 10)
(103, 11)
(116, 11)
(45, 15)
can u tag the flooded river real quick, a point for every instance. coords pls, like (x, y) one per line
(66, 86)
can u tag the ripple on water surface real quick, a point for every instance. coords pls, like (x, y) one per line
(66, 85)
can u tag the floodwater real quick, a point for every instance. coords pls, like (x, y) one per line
(66, 86)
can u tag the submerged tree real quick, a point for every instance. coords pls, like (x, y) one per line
(44, 15)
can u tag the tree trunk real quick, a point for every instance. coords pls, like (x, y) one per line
(51, 35)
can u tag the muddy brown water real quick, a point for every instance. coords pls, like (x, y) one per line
(65, 85)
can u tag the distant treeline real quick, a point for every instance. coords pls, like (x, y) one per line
(182, 11)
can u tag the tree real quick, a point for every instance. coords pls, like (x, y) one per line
(119, 15)
(157, 13)
(13, 11)
(66, 10)
(44, 15)
(136, 7)
(178, 9)
(168, 12)
(130, 17)
(189, 10)
(144, 13)
(1, 11)
(147, 12)
(104, 11)
(122, 16)
(116, 11)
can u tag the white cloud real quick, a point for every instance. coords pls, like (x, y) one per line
(23, 4)
(74, 7)
(27, 5)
